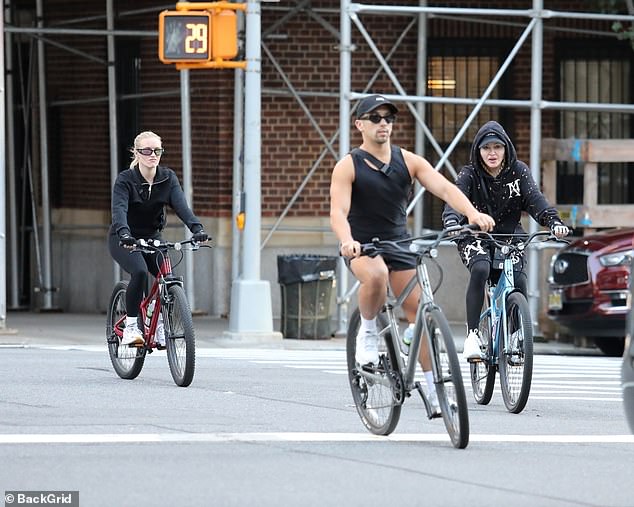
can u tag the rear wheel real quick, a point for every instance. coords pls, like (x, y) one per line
(179, 336)
(449, 386)
(376, 395)
(483, 372)
(516, 363)
(126, 361)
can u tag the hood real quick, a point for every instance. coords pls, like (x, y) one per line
(610, 241)
(492, 127)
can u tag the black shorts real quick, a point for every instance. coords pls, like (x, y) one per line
(474, 249)
(394, 261)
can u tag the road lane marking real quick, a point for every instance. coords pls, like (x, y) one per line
(307, 437)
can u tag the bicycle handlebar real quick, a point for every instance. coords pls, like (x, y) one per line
(420, 246)
(525, 239)
(152, 245)
(417, 245)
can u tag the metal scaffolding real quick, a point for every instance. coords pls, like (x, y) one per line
(349, 13)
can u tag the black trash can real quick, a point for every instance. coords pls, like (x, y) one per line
(307, 283)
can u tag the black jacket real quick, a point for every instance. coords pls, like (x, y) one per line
(138, 208)
(504, 197)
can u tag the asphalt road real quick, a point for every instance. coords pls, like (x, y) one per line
(276, 427)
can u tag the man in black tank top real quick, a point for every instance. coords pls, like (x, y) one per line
(369, 192)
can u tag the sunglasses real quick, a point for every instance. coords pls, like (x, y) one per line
(376, 118)
(148, 151)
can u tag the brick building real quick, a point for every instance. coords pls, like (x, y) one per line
(583, 61)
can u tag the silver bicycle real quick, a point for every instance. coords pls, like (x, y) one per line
(379, 392)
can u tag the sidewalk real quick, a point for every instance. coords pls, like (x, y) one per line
(48, 329)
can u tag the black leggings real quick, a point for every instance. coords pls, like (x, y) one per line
(137, 264)
(480, 273)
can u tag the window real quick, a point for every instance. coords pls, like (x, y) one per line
(462, 69)
(597, 74)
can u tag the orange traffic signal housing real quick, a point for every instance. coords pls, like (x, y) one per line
(224, 34)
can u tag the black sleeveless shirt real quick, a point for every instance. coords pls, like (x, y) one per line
(378, 208)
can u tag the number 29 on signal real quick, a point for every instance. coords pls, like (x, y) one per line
(184, 36)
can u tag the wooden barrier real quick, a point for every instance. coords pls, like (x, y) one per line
(588, 152)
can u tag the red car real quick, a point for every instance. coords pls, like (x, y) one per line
(589, 287)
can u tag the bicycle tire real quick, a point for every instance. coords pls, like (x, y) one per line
(179, 336)
(449, 386)
(376, 403)
(126, 361)
(516, 367)
(483, 372)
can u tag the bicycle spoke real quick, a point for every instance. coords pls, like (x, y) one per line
(373, 392)
(516, 363)
(126, 361)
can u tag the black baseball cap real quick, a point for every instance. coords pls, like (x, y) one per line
(369, 104)
(491, 137)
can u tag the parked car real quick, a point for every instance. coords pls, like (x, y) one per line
(589, 286)
(627, 368)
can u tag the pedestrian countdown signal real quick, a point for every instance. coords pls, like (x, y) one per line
(184, 36)
(200, 35)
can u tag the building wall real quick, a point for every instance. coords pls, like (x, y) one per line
(307, 52)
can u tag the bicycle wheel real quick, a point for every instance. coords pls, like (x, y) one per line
(483, 372)
(179, 336)
(516, 364)
(450, 388)
(375, 396)
(126, 361)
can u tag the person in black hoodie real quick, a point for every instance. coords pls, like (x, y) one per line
(499, 184)
(139, 197)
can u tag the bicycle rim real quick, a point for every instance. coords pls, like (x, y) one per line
(375, 401)
(126, 361)
(516, 364)
(449, 386)
(179, 336)
(483, 372)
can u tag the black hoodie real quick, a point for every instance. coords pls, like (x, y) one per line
(138, 208)
(505, 196)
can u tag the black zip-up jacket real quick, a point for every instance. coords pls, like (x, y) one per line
(138, 208)
(504, 197)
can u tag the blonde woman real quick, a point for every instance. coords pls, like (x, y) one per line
(139, 197)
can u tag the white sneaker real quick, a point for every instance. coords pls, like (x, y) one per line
(516, 342)
(367, 350)
(432, 398)
(472, 346)
(131, 333)
(160, 332)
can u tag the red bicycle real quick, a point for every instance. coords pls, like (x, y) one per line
(166, 298)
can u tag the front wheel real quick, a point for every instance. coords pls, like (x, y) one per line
(516, 354)
(449, 385)
(179, 336)
(126, 361)
(374, 394)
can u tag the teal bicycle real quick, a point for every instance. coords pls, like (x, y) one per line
(506, 328)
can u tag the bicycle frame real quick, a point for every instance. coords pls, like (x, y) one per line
(407, 367)
(497, 295)
(161, 282)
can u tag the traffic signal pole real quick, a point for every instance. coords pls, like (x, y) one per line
(251, 310)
